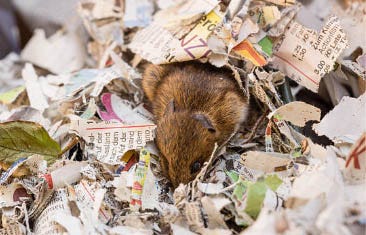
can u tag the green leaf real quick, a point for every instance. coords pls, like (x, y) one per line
(22, 139)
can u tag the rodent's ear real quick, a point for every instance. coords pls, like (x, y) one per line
(205, 121)
(170, 107)
(151, 79)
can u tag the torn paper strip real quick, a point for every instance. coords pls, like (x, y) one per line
(284, 3)
(12, 195)
(36, 97)
(139, 180)
(137, 13)
(262, 162)
(102, 19)
(86, 193)
(246, 50)
(212, 207)
(210, 188)
(297, 112)
(65, 175)
(121, 110)
(345, 121)
(108, 141)
(305, 56)
(150, 193)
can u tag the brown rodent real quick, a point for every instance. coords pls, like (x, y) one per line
(195, 105)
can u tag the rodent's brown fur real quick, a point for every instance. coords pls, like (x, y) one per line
(195, 105)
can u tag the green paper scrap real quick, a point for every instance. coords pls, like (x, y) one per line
(234, 176)
(297, 152)
(273, 182)
(255, 193)
(267, 45)
(255, 197)
(9, 96)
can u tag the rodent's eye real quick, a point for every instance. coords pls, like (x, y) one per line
(195, 167)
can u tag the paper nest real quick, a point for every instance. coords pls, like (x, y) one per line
(83, 159)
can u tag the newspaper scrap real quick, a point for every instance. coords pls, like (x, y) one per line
(79, 81)
(12, 227)
(306, 56)
(159, 46)
(108, 141)
(86, 193)
(326, 177)
(45, 224)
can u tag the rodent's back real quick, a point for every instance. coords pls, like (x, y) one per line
(197, 87)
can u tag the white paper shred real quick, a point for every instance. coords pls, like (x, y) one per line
(210, 188)
(265, 162)
(34, 91)
(60, 53)
(138, 13)
(346, 120)
(297, 112)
